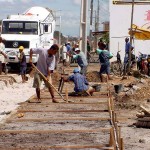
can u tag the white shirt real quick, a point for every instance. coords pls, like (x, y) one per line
(2, 48)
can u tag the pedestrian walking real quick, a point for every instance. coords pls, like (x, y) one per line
(46, 65)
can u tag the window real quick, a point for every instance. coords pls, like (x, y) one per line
(18, 27)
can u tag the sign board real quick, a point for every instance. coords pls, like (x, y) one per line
(120, 22)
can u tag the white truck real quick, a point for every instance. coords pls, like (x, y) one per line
(34, 28)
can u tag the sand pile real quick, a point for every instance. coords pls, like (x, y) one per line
(93, 76)
(12, 95)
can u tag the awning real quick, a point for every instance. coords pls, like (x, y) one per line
(140, 33)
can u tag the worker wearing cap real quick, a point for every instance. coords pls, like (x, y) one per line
(81, 60)
(23, 64)
(80, 82)
(68, 46)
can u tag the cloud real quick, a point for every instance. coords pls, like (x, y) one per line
(25, 1)
(77, 2)
(9, 1)
(13, 1)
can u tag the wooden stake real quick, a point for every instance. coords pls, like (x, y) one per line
(122, 144)
(66, 93)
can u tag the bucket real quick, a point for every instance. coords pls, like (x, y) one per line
(97, 87)
(118, 88)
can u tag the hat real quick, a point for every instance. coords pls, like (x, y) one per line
(77, 49)
(21, 47)
(76, 70)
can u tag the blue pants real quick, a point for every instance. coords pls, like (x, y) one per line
(23, 70)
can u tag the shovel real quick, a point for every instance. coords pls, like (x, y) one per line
(48, 81)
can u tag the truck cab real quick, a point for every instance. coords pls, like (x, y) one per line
(32, 29)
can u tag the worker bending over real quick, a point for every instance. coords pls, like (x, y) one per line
(46, 65)
(81, 60)
(80, 82)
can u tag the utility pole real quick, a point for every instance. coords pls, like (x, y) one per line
(131, 35)
(59, 30)
(58, 17)
(96, 25)
(83, 26)
(91, 19)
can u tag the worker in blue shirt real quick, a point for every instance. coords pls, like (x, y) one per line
(127, 49)
(80, 82)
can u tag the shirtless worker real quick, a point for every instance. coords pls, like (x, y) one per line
(46, 65)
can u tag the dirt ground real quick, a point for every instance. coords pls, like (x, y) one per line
(135, 92)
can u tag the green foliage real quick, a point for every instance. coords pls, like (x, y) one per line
(105, 37)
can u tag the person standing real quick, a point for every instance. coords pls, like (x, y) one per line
(2, 58)
(46, 65)
(65, 57)
(100, 43)
(104, 56)
(88, 51)
(23, 64)
(127, 49)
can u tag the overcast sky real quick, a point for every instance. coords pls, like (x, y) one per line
(70, 11)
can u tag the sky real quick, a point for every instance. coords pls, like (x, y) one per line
(69, 10)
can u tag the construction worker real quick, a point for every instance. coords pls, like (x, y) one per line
(104, 56)
(65, 57)
(81, 60)
(23, 64)
(46, 65)
(2, 58)
(80, 82)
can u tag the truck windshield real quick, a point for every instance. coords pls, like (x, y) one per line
(19, 27)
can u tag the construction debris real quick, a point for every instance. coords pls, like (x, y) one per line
(143, 117)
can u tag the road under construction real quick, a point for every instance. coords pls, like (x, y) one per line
(79, 122)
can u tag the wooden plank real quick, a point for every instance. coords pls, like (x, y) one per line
(144, 109)
(67, 118)
(53, 131)
(70, 103)
(71, 97)
(102, 147)
(62, 111)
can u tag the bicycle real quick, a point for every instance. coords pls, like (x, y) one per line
(117, 68)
